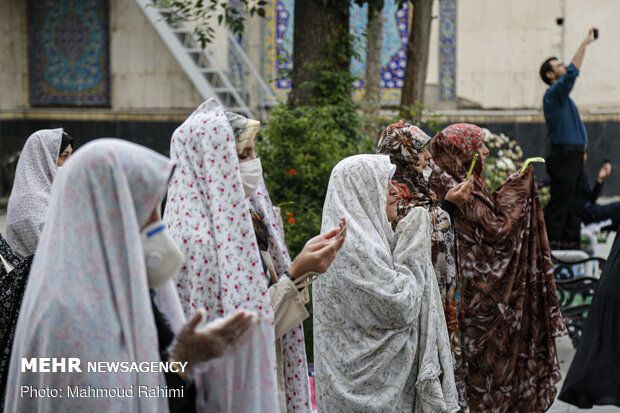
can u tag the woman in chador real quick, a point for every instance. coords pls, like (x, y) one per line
(380, 337)
(219, 213)
(101, 250)
(43, 155)
(406, 145)
(511, 310)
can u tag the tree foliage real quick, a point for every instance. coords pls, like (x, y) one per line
(202, 13)
(298, 149)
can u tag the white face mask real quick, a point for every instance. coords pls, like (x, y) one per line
(251, 172)
(426, 172)
(161, 254)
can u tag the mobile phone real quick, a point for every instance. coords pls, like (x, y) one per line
(596, 33)
(471, 168)
(530, 160)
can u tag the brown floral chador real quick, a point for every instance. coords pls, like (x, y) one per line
(402, 142)
(509, 300)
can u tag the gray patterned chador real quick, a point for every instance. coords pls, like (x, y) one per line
(27, 206)
(381, 342)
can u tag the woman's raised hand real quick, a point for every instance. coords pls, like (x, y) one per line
(196, 345)
(319, 252)
(460, 193)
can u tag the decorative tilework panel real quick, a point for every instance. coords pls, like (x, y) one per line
(393, 47)
(284, 42)
(278, 46)
(447, 50)
(69, 63)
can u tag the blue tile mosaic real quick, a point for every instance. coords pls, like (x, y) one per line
(69, 58)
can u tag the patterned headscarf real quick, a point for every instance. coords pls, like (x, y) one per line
(467, 140)
(402, 142)
(27, 207)
(467, 137)
(244, 129)
(411, 135)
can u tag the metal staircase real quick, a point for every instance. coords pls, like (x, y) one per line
(249, 96)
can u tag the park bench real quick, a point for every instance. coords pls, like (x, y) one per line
(576, 276)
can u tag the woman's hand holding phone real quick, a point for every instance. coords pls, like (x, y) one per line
(460, 193)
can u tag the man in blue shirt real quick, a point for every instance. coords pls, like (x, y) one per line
(568, 139)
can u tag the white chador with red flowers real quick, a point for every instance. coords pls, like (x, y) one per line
(207, 214)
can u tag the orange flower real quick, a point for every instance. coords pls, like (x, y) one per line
(292, 172)
(291, 220)
(290, 214)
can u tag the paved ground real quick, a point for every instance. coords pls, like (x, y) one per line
(565, 349)
(565, 354)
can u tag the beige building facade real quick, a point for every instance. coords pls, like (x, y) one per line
(144, 76)
(500, 45)
(497, 47)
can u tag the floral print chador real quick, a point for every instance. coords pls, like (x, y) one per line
(208, 215)
(511, 310)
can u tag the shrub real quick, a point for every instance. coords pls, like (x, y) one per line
(298, 149)
(505, 156)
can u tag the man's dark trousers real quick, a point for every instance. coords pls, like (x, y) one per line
(563, 212)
